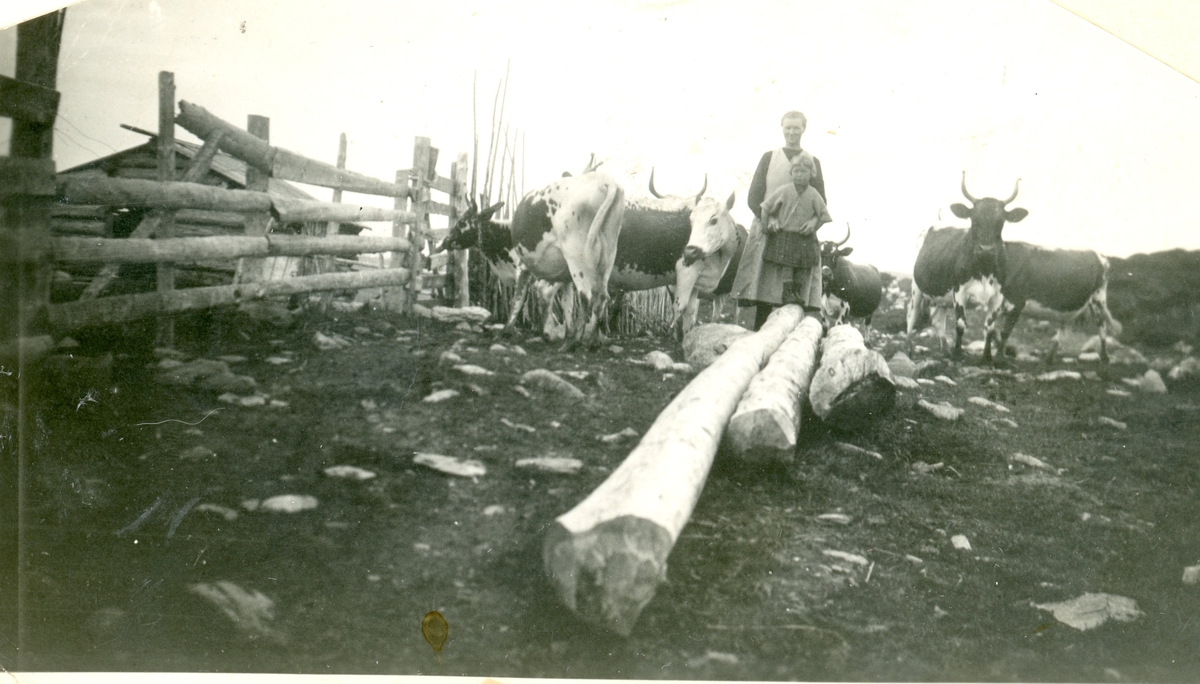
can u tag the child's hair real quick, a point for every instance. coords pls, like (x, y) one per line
(805, 159)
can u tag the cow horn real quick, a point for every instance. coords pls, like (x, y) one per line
(847, 236)
(1013, 196)
(652, 190)
(700, 194)
(964, 188)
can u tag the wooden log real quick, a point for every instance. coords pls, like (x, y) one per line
(202, 217)
(28, 101)
(78, 227)
(607, 555)
(280, 163)
(853, 384)
(25, 277)
(119, 192)
(297, 210)
(21, 176)
(109, 272)
(202, 162)
(446, 185)
(91, 212)
(423, 166)
(73, 250)
(257, 180)
(458, 204)
(38, 44)
(440, 209)
(767, 420)
(165, 272)
(124, 308)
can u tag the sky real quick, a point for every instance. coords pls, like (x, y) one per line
(901, 98)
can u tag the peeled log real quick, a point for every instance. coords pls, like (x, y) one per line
(608, 554)
(853, 383)
(767, 420)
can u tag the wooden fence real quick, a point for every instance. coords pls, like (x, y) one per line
(34, 198)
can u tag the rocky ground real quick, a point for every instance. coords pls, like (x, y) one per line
(298, 498)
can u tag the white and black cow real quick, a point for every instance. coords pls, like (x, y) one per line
(564, 233)
(851, 290)
(951, 258)
(685, 242)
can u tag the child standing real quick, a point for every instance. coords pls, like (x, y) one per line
(796, 208)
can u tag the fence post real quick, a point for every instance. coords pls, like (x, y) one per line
(459, 264)
(319, 264)
(418, 203)
(166, 217)
(26, 194)
(249, 270)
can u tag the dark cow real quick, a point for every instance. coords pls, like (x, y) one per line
(852, 290)
(1069, 281)
(685, 242)
(951, 258)
(565, 233)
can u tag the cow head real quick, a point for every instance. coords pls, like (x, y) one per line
(831, 255)
(987, 216)
(713, 229)
(465, 231)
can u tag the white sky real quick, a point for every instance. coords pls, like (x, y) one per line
(901, 97)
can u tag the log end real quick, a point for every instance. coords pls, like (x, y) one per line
(864, 400)
(761, 436)
(608, 574)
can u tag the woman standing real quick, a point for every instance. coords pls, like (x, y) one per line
(762, 284)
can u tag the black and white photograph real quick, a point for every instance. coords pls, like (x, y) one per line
(611, 340)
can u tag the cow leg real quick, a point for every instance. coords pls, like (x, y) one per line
(553, 328)
(915, 315)
(1012, 313)
(524, 278)
(1099, 304)
(989, 335)
(960, 328)
(691, 316)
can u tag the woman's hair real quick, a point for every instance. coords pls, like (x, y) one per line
(794, 115)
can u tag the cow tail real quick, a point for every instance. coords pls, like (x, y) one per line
(606, 226)
(1101, 299)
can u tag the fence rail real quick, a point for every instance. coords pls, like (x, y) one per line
(68, 221)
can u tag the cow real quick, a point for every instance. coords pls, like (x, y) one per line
(1069, 281)
(687, 242)
(566, 233)
(720, 294)
(851, 290)
(950, 258)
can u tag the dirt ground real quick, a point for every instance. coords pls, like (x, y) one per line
(751, 593)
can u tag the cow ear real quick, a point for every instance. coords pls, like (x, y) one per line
(729, 202)
(487, 213)
(1015, 215)
(960, 210)
(845, 251)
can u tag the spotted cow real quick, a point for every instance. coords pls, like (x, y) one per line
(564, 233)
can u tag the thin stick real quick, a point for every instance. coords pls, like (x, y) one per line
(475, 131)
(487, 177)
